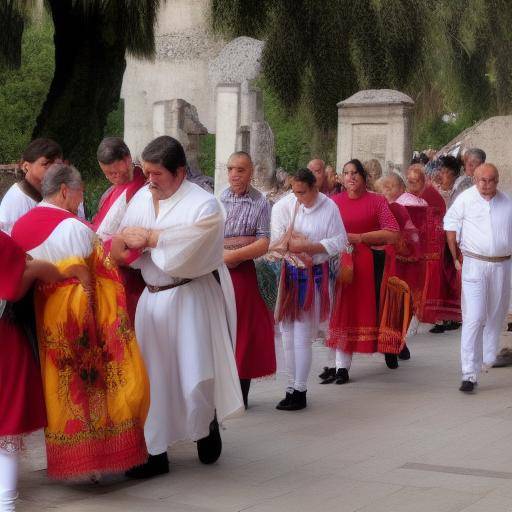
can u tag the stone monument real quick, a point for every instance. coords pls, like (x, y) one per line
(375, 123)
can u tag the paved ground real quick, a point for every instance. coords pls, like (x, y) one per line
(390, 441)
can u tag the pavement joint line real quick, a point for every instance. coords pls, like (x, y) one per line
(456, 470)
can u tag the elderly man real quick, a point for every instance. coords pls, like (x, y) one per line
(317, 167)
(184, 322)
(483, 217)
(416, 185)
(94, 380)
(246, 237)
(472, 159)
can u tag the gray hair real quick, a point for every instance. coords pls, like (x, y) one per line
(57, 175)
(112, 149)
(476, 152)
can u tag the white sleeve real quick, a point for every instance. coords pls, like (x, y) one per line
(74, 237)
(454, 215)
(14, 205)
(279, 220)
(336, 238)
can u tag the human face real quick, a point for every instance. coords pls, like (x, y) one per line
(447, 178)
(486, 180)
(352, 180)
(305, 194)
(332, 178)
(318, 169)
(239, 174)
(471, 162)
(162, 183)
(72, 197)
(36, 170)
(391, 190)
(415, 183)
(118, 172)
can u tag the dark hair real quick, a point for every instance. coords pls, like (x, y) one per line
(423, 158)
(451, 163)
(41, 147)
(305, 176)
(359, 168)
(165, 151)
(112, 149)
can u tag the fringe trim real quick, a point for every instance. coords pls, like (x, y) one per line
(12, 443)
(390, 341)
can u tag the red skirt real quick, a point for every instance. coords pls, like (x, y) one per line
(22, 408)
(354, 323)
(255, 351)
(134, 286)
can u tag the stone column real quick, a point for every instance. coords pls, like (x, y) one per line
(227, 125)
(375, 124)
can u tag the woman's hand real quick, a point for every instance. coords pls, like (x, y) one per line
(80, 272)
(355, 238)
(298, 243)
(135, 237)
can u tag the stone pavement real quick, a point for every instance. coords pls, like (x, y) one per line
(389, 441)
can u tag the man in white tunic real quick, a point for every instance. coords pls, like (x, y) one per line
(182, 316)
(483, 217)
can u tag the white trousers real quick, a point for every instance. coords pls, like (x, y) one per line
(8, 480)
(297, 339)
(485, 301)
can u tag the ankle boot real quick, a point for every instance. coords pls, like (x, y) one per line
(391, 361)
(285, 401)
(296, 403)
(405, 354)
(330, 376)
(209, 448)
(342, 376)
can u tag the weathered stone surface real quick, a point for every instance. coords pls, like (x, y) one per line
(375, 123)
(238, 61)
(493, 136)
(263, 155)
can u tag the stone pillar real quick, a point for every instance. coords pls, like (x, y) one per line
(376, 123)
(227, 125)
(263, 155)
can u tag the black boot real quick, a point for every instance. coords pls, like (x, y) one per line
(245, 384)
(437, 329)
(391, 361)
(209, 448)
(329, 377)
(404, 354)
(326, 372)
(342, 376)
(156, 465)
(285, 401)
(450, 325)
(296, 403)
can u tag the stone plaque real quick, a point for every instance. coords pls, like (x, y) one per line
(369, 141)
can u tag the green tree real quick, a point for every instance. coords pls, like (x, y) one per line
(91, 39)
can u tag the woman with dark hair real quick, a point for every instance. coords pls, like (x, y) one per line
(355, 316)
(307, 229)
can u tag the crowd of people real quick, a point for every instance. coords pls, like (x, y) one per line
(146, 325)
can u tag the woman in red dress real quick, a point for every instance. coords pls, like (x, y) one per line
(355, 317)
(22, 408)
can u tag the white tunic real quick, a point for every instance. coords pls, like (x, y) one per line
(183, 332)
(113, 218)
(14, 205)
(321, 223)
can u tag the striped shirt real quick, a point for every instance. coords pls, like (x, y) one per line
(246, 215)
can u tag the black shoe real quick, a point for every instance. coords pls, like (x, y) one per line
(245, 384)
(156, 465)
(342, 376)
(391, 361)
(404, 354)
(326, 373)
(330, 377)
(467, 386)
(437, 329)
(209, 448)
(285, 401)
(509, 327)
(451, 326)
(296, 403)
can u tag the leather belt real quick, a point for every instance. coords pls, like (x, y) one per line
(156, 289)
(491, 259)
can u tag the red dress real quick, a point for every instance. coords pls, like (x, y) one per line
(354, 322)
(442, 289)
(22, 408)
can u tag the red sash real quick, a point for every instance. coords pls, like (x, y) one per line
(12, 261)
(38, 224)
(113, 194)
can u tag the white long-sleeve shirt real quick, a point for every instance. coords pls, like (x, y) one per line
(321, 224)
(485, 227)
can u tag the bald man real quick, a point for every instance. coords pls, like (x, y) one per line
(317, 167)
(483, 217)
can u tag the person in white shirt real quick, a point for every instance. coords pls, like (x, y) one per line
(316, 233)
(483, 217)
